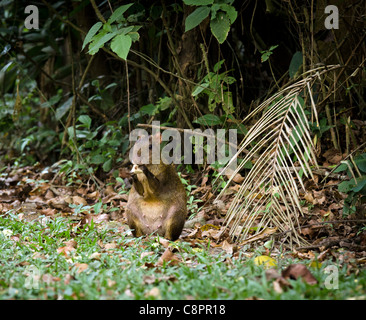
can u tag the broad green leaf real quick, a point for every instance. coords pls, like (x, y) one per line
(98, 159)
(107, 166)
(86, 120)
(164, 103)
(346, 186)
(361, 164)
(134, 36)
(107, 27)
(99, 40)
(230, 11)
(197, 90)
(341, 167)
(149, 109)
(61, 110)
(25, 143)
(93, 30)
(220, 26)
(121, 45)
(52, 101)
(218, 65)
(267, 53)
(208, 120)
(361, 183)
(97, 207)
(196, 17)
(295, 64)
(118, 13)
(125, 30)
(198, 2)
(227, 103)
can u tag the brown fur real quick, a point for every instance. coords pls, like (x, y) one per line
(157, 201)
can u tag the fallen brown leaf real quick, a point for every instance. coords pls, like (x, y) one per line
(228, 247)
(154, 292)
(71, 243)
(109, 191)
(168, 256)
(48, 212)
(272, 274)
(93, 195)
(295, 271)
(319, 196)
(238, 178)
(164, 242)
(81, 267)
(79, 200)
(263, 234)
(49, 195)
(149, 279)
(60, 202)
(146, 254)
(110, 246)
(65, 250)
(95, 256)
(67, 278)
(48, 278)
(204, 181)
(308, 196)
(333, 156)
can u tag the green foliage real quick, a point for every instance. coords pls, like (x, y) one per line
(103, 97)
(25, 137)
(223, 15)
(33, 268)
(295, 64)
(356, 186)
(196, 17)
(121, 45)
(320, 129)
(114, 30)
(215, 86)
(192, 201)
(208, 120)
(267, 53)
(95, 152)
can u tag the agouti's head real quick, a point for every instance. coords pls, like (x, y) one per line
(146, 151)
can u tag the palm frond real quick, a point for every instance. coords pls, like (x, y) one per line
(269, 195)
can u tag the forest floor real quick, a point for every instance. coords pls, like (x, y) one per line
(63, 239)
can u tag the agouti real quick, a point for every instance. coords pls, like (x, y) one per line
(157, 200)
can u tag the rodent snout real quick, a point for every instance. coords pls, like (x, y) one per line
(136, 169)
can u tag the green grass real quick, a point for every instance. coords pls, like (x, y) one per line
(30, 248)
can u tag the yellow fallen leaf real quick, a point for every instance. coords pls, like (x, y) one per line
(315, 264)
(266, 261)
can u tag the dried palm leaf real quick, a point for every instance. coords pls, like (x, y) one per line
(269, 196)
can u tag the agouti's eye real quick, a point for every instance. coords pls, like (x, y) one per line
(150, 146)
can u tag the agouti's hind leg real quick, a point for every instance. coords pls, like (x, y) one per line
(174, 224)
(134, 225)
